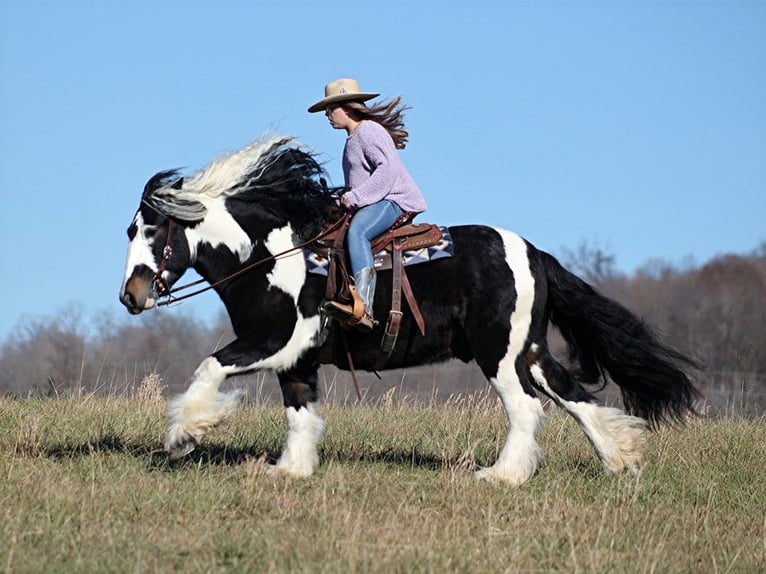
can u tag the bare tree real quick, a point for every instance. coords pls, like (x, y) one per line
(594, 264)
(717, 312)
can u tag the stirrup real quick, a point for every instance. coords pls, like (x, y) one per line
(338, 311)
(364, 323)
(345, 316)
(346, 312)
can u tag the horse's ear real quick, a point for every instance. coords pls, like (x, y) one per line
(160, 180)
(178, 184)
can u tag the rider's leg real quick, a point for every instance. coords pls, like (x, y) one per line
(367, 223)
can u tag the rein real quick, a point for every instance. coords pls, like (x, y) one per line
(164, 291)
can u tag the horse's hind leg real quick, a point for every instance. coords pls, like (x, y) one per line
(521, 455)
(498, 347)
(616, 437)
(201, 408)
(304, 426)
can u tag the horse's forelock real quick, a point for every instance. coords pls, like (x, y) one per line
(177, 205)
(167, 178)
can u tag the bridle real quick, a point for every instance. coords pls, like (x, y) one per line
(159, 284)
(162, 289)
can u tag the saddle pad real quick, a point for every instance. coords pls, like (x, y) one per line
(318, 265)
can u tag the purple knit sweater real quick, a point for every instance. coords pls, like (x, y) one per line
(374, 171)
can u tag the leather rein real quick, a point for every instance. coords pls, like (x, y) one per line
(163, 289)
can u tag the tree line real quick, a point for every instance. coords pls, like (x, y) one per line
(715, 312)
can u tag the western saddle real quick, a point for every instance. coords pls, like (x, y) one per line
(403, 235)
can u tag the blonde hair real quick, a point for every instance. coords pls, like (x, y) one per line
(388, 114)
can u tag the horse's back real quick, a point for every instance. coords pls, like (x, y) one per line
(481, 251)
(467, 300)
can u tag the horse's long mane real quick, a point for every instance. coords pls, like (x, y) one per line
(274, 172)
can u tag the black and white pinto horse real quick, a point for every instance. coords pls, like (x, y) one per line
(490, 302)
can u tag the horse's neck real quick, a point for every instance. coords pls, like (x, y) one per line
(221, 251)
(220, 228)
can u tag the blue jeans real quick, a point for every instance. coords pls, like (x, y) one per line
(366, 224)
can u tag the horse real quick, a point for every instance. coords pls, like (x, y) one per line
(243, 223)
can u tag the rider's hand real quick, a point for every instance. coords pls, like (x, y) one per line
(345, 201)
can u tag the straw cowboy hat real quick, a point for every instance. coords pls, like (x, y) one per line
(343, 90)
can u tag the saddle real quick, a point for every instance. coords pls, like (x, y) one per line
(401, 236)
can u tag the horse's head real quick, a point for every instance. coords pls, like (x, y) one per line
(220, 216)
(158, 251)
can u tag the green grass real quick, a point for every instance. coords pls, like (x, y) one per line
(85, 487)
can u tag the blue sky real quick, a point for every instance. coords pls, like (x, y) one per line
(636, 126)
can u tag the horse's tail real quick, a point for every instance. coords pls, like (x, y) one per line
(605, 336)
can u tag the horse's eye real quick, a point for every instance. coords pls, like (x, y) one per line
(149, 231)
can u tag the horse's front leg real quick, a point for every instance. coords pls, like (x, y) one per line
(304, 426)
(202, 406)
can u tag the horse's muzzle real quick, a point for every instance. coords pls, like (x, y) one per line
(138, 295)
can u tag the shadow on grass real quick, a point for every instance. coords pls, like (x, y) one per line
(215, 455)
(105, 444)
(220, 455)
(395, 457)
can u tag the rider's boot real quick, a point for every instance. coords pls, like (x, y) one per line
(365, 281)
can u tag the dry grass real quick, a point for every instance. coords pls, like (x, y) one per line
(85, 487)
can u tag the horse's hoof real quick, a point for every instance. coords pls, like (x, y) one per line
(485, 475)
(490, 474)
(180, 449)
(285, 471)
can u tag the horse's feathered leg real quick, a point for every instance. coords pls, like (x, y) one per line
(304, 426)
(201, 408)
(511, 322)
(521, 455)
(604, 336)
(617, 438)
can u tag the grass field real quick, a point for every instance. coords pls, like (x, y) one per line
(86, 488)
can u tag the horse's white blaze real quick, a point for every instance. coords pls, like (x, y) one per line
(139, 249)
(139, 253)
(521, 454)
(304, 430)
(617, 438)
(219, 228)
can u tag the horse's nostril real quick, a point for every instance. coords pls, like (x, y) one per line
(128, 300)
